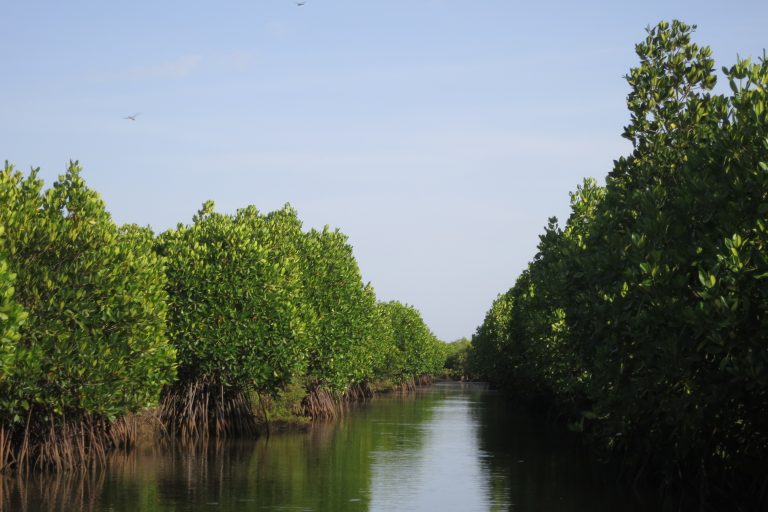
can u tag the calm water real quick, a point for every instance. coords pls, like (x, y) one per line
(450, 447)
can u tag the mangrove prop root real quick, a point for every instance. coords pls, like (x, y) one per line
(7, 455)
(59, 442)
(424, 380)
(201, 408)
(409, 385)
(321, 403)
(358, 393)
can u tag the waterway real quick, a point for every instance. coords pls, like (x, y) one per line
(450, 447)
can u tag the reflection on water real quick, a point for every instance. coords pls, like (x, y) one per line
(441, 467)
(534, 466)
(450, 447)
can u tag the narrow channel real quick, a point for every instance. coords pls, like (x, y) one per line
(449, 447)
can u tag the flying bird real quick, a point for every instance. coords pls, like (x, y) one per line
(132, 117)
(299, 4)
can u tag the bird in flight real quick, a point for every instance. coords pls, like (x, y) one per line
(132, 117)
(299, 4)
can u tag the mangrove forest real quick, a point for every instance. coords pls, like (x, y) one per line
(642, 322)
(634, 341)
(206, 323)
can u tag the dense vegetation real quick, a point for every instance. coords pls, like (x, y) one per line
(233, 316)
(83, 324)
(644, 319)
(457, 359)
(343, 333)
(416, 351)
(98, 321)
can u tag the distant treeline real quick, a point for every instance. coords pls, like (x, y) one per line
(98, 321)
(643, 321)
(457, 360)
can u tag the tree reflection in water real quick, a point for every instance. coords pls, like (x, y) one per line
(450, 447)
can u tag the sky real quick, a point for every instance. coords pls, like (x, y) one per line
(439, 135)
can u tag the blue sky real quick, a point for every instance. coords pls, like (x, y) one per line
(439, 135)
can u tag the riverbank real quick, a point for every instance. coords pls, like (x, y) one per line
(286, 411)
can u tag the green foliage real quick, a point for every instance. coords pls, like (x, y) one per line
(234, 298)
(457, 358)
(12, 317)
(94, 341)
(344, 310)
(386, 354)
(488, 343)
(536, 330)
(418, 351)
(249, 301)
(644, 318)
(255, 304)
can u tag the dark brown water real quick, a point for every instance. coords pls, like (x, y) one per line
(447, 448)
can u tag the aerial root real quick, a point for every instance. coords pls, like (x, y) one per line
(59, 443)
(197, 409)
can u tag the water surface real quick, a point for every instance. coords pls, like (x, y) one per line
(450, 447)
